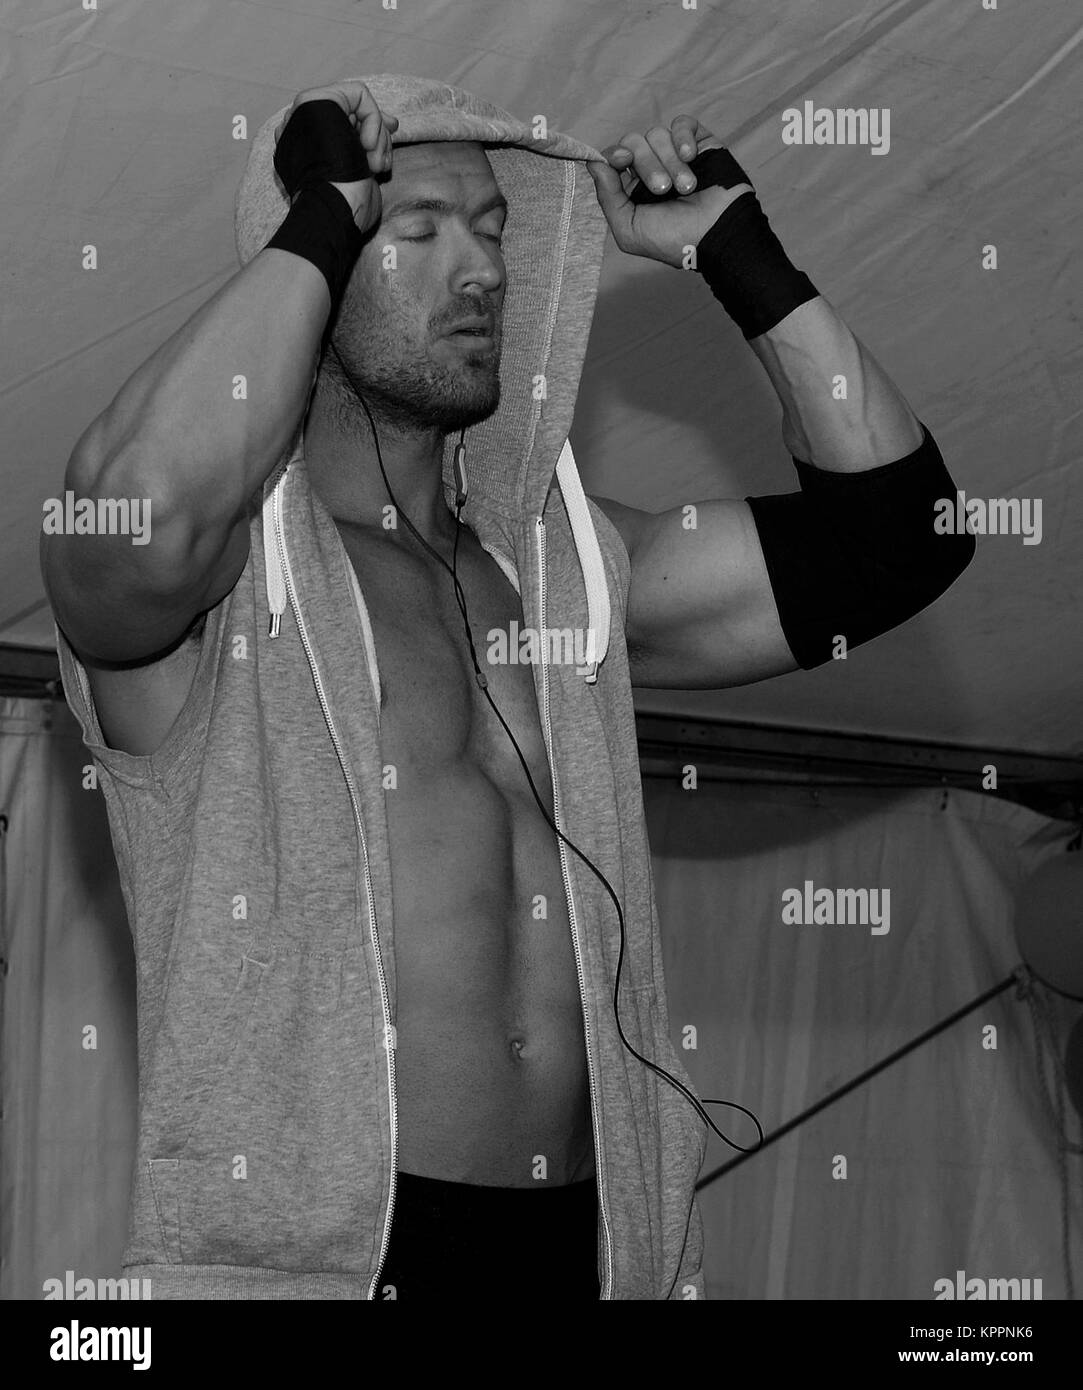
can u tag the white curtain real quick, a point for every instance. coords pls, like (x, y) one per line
(952, 1162)
(69, 1055)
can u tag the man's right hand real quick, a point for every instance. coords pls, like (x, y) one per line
(374, 130)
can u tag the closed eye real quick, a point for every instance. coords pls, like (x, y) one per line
(428, 236)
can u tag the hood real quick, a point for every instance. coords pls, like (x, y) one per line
(554, 239)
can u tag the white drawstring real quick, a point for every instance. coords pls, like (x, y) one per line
(590, 559)
(583, 533)
(272, 557)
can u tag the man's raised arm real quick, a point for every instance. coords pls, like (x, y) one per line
(765, 585)
(176, 434)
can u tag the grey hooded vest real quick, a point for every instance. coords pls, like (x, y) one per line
(253, 846)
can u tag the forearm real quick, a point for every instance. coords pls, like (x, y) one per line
(855, 552)
(841, 411)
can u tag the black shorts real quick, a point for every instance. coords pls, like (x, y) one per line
(455, 1240)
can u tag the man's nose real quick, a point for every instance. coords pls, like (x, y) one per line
(482, 268)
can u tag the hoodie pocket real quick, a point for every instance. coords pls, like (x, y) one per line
(224, 1030)
(676, 1120)
(680, 1138)
(682, 1125)
(287, 1156)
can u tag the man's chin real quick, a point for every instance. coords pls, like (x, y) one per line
(469, 359)
(474, 392)
(473, 413)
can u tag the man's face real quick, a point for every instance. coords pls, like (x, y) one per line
(393, 330)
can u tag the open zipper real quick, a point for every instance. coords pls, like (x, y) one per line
(599, 1155)
(607, 1283)
(389, 1033)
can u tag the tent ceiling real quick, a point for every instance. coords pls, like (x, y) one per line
(118, 133)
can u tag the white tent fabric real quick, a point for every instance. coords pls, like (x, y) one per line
(951, 1160)
(122, 132)
(952, 1163)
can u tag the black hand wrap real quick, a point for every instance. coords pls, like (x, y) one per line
(853, 555)
(740, 257)
(318, 146)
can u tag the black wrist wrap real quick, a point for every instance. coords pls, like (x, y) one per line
(319, 146)
(852, 555)
(740, 257)
(320, 227)
(748, 271)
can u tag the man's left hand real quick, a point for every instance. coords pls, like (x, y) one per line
(661, 231)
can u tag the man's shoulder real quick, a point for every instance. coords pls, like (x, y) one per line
(629, 522)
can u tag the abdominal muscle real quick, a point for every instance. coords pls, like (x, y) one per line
(491, 1072)
(490, 1057)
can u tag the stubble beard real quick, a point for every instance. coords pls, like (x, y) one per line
(416, 391)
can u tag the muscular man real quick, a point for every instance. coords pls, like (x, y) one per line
(378, 1054)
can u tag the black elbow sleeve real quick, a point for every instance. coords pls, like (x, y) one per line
(853, 555)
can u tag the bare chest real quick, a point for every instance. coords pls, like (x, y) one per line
(433, 711)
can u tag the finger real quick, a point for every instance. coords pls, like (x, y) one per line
(356, 94)
(687, 134)
(618, 156)
(612, 198)
(371, 121)
(607, 181)
(646, 164)
(661, 142)
(364, 113)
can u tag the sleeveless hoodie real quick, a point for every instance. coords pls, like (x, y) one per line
(253, 846)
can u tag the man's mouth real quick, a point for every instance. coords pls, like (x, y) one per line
(470, 338)
(478, 326)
